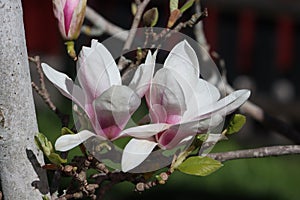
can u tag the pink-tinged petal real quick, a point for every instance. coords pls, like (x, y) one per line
(67, 142)
(113, 108)
(135, 152)
(141, 80)
(226, 105)
(158, 114)
(145, 131)
(183, 60)
(58, 9)
(64, 84)
(97, 70)
(176, 133)
(69, 8)
(169, 92)
(77, 20)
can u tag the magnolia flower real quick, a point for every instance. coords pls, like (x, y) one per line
(180, 104)
(70, 16)
(107, 103)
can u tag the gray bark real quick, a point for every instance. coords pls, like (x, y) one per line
(18, 164)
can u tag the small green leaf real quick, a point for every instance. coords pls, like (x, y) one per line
(202, 137)
(187, 5)
(45, 197)
(236, 123)
(65, 131)
(173, 5)
(56, 159)
(43, 143)
(200, 166)
(46, 147)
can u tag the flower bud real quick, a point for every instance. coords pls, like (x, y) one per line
(70, 15)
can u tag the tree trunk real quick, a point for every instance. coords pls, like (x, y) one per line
(19, 169)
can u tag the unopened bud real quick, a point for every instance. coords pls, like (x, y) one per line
(150, 17)
(175, 14)
(70, 15)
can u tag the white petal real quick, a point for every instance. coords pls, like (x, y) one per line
(135, 152)
(64, 84)
(183, 60)
(143, 75)
(198, 97)
(145, 131)
(226, 105)
(67, 142)
(97, 70)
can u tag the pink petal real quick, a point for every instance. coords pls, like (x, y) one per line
(166, 90)
(158, 113)
(113, 108)
(176, 133)
(77, 20)
(58, 9)
(69, 8)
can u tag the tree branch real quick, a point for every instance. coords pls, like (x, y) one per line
(102, 25)
(248, 107)
(256, 153)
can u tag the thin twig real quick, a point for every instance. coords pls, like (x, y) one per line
(42, 90)
(256, 153)
(195, 18)
(44, 94)
(137, 18)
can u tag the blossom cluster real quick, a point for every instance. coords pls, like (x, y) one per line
(180, 103)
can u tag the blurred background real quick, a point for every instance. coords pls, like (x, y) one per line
(260, 44)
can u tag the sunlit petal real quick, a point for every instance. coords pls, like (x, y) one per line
(97, 70)
(135, 152)
(67, 142)
(183, 60)
(226, 105)
(64, 84)
(145, 131)
(143, 75)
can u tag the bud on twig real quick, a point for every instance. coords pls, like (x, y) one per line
(150, 17)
